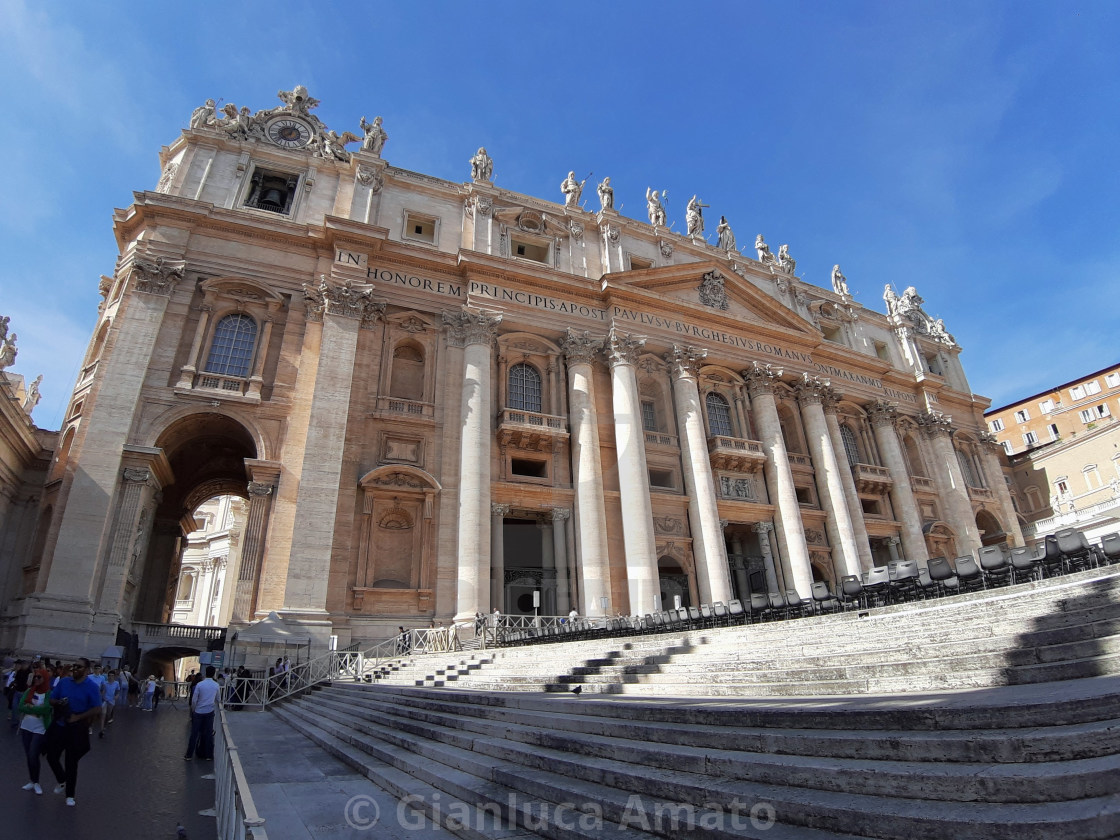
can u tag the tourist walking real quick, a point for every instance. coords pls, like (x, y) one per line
(36, 710)
(204, 700)
(98, 677)
(149, 693)
(112, 694)
(75, 702)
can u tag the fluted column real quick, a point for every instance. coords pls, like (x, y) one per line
(187, 372)
(990, 451)
(261, 494)
(950, 480)
(847, 480)
(633, 475)
(345, 309)
(708, 546)
(474, 331)
(811, 394)
(763, 530)
(564, 597)
(779, 478)
(587, 472)
(883, 416)
(498, 515)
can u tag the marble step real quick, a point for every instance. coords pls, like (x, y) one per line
(609, 780)
(949, 781)
(1001, 745)
(573, 811)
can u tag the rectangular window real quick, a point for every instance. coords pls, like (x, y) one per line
(529, 250)
(1112, 380)
(1077, 392)
(1090, 415)
(420, 228)
(1046, 406)
(832, 334)
(1022, 416)
(1092, 387)
(882, 351)
(271, 191)
(649, 416)
(638, 263)
(1006, 444)
(662, 479)
(996, 425)
(1053, 430)
(1030, 438)
(528, 468)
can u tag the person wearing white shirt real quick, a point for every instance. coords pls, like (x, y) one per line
(204, 703)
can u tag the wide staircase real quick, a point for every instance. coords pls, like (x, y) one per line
(982, 716)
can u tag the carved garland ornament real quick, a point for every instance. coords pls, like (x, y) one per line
(158, 276)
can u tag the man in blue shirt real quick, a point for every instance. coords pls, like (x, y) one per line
(76, 701)
(204, 702)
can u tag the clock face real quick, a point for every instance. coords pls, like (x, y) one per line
(289, 133)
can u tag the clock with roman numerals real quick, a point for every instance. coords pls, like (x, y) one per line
(289, 133)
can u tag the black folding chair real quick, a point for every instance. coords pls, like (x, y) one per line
(823, 599)
(1110, 548)
(1075, 549)
(995, 565)
(1026, 564)
(876, 584)
(851, 591)
(942, 574)
(969, 574)
(904, 581)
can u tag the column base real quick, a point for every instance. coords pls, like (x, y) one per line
(61, 627)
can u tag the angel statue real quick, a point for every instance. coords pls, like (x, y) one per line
(375, 136)
(655, 208)
(332, 146)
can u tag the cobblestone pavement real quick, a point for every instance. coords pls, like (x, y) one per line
(132, 784)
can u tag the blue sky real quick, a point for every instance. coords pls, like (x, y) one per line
(969, 149)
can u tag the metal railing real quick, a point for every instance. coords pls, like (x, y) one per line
(233, 801)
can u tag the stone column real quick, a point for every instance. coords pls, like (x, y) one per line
(763, 530)
(145, 472)
(633, 475)
(892, 548)
(708, 546)
(474, 330)
(587, 473)
(883, 416)
(256, 380)
(811, 394)
(548, 564)
(264, 477)
(498, 514)
(742, 576)
(564, 599)
(950, 480)
(779, 478)
(851, 496)
(990, 452)
(57, 620)
(343, 309)
(186, 374)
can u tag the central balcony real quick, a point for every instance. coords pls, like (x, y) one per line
(736, 454)
(530, 429)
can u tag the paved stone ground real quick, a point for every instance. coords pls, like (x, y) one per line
(305, 793)
(132, 784)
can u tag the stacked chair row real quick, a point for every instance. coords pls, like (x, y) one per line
(1062, 553)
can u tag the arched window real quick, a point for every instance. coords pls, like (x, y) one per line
(719, 415)
(524, 388)
(851, 450)
(407, 379)
(231, 353)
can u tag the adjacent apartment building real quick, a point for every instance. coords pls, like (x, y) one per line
(1063, 447)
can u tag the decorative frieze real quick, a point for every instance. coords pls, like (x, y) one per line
(738, 488)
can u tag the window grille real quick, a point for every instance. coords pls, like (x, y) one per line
(719, 416)
(231, 352)
(850, 448)
(524, 388)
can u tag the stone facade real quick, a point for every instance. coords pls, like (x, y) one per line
(439, 398)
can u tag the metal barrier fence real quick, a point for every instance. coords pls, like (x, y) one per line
(233, 801)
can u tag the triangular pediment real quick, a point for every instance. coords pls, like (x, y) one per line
(712, 286)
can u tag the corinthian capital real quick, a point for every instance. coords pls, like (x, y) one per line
(935, 423)
(471, 326)
(582, 347)
(346, 299)
(761, 379)
(883, 413)
(157, 276)
(684, 361)
(812, 390)
(623, 348)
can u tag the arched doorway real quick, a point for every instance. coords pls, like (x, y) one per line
(673, 583)
(991, 532)
(207, 454)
